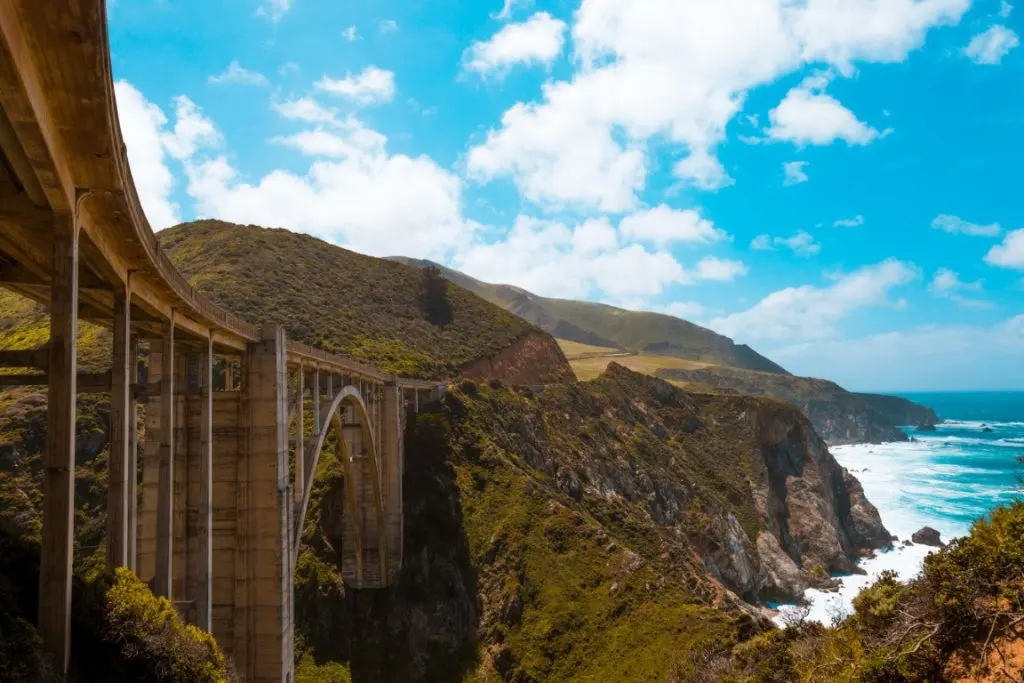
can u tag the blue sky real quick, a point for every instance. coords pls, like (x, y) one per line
(835, 182)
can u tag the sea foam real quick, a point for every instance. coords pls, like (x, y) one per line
(944, 479)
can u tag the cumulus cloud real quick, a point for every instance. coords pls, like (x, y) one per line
(387, 26)
(351, 34)
(854, 222)
(371, 86)
(955, 224)
(687, 67)
(946, 284)
(795, 173)
(236, 73)
(800, 243)
(810, 313)
(536, 41)
(990, 47)
(274, 9)
(142, 126)
(1009, 254)
(720, 270)
(808, 116)
(663, 225)
(510, 6)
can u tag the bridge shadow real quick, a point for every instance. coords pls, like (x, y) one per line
(424, 626)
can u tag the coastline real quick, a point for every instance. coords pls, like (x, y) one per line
(943, 479)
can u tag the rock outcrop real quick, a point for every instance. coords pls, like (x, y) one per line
(839, 416)
(900, 411)
(534, 358)
(928, 536)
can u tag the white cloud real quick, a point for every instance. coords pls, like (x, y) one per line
(663, 225)
(854, 222)
(192, 130)
(288, 68)
(274, 9)
(142, 125)
(955, 224)
(1009, 254)
(946, 284)
(510, 6)
(795, 173)
(808, 312)
(351, 34)
(236, 73)
(306, 109)
(1005, 9)
(675, 74)
(551, 258)
(922, 359)
(719, 270)
(356, 140)
(800, 243)
(687, 310)
(536, 41)
(991, 46)
(387, 26)
(371, 86)
(808, 116)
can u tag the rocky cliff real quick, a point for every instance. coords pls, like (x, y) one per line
(607, 529)
(535, 358)
(900, 411)
(839, 416)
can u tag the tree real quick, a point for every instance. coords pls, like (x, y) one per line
(434, 297)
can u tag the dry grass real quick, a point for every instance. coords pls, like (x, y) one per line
(588, 362)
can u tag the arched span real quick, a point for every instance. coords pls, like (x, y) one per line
(331, 418)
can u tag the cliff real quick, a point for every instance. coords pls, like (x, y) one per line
(535, 358)
(839, 416)
(901, 411)
(609, 529)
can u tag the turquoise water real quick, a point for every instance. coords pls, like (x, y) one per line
(944, 479)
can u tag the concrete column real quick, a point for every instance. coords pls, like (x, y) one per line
(146, 546)
(59, 464)
(133, 457)
(392, 466)
(267, 588)
(165, 486)
(120, 443)
(204, 563)
(229, 374)
(316, 400)
(300, 452)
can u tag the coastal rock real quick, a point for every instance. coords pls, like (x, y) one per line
(926, 428)
(987, 430)
(783, 578)
(928, 536)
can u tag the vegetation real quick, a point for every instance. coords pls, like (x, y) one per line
(589, 362)
(602, 325)
(961, 620)
(120, 631)
(366, 308)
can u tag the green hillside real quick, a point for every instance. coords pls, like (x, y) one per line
(363, 307)
(602, 325)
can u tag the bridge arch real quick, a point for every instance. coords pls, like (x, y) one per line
(364, 552)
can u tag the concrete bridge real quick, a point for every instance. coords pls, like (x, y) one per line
(236, 416)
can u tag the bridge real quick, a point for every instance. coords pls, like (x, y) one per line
(236, 416)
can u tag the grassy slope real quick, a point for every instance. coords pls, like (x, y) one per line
(363, 307)
(602, 325)
(588, 362)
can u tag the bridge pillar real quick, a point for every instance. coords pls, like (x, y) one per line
(165, 481)
(392, 460)
(120, 441)
(264, 588)
(59, 465)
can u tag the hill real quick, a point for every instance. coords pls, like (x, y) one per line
(363, 307)
(839, 416)
(603, 530)
(603, 325)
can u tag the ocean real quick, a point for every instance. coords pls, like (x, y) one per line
(944, 479)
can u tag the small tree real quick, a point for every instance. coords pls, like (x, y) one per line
(434, 297)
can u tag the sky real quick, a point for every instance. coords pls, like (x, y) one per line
(835, 182)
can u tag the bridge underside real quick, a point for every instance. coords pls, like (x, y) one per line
(236, 417)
